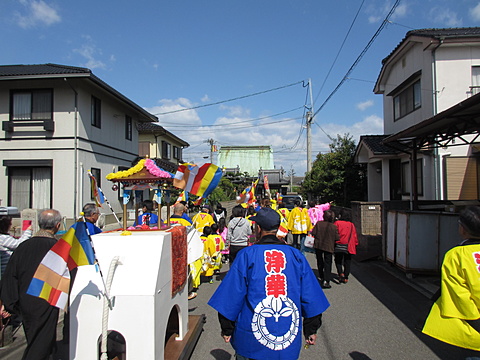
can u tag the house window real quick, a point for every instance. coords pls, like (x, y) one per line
(406, 178)
(30, 187)
(166, 150)
(97, 175)
(143, 148)
(176, 153)
(128, 127)
(407, 101)
(96, 112)
(32, 105)
(475, 88)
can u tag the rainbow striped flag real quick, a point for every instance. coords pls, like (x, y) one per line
(96, 191)
(182, 197)
(199, 181)
(51, 280)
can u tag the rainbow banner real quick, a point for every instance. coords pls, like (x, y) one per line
(51, 280)
(96, 191)
(199, 181)
(248, 195)
(182, 197)
(185, 176)
(206, 180)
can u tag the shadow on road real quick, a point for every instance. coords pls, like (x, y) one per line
(407, 304)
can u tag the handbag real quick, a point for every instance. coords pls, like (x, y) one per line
(309, 241)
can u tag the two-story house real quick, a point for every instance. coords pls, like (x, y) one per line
(159, 143)
(426, 152)
(58, 122)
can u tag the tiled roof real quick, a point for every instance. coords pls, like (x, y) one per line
(156, 128)
(14, 72)
(448, 32)
(42, 69)
(455, 33)
(374, 143)
(150, 127)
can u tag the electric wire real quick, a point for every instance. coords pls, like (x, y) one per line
(354, 65)
(228, 100)
(230, 128)
(339, 50)
(239, 122)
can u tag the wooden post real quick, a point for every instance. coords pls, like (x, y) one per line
(125, 216)
(168, 214)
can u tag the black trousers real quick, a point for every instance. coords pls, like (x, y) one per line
(234, 249)
(342, 263)
(324, 264)
(40, 325)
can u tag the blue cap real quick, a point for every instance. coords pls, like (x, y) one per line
(267, 219)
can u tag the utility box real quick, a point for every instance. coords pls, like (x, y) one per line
(30, 217)
(367, 217)
(148, 294)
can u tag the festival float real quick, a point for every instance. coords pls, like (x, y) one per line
(140, 310)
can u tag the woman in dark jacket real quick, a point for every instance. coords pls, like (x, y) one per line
(325, 234)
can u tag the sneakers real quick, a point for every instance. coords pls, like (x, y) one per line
(211, 281)
(192, 295)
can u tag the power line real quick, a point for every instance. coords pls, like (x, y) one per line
(233, 99)
(230, 128)
(339, 51)
(377, 33)
(239, 122)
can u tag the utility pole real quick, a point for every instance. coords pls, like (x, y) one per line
(292, 172)
(309, 116)
(210, 142)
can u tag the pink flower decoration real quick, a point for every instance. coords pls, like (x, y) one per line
(155, 170)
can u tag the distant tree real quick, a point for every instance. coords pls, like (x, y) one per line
(223, 192)
(335, 176)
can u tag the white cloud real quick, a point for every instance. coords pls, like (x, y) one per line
(445, 17)
(475, 12)
(377, 11)
(364, 105)
(287, 137)
(400, 11)
(38, 13)
(89, 51)
(188, 117)
(205, 98)
(236, 111)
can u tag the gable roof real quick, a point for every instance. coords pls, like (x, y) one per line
(437, 36)
(48, 71)
(375, 144)
(156, 128)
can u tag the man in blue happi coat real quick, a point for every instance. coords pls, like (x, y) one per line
(267, 292)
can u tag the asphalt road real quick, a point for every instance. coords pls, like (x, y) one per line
(375, 316)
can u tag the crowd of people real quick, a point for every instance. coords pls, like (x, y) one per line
(270, 295)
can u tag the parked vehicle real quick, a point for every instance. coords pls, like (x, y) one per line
(289, 200)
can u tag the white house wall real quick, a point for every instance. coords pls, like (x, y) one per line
(454, 73)
(406, 65)
(105, 148)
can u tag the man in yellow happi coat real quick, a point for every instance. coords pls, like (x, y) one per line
(455, 316)
(203, 218)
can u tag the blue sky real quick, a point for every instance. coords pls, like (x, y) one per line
(174, 55)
